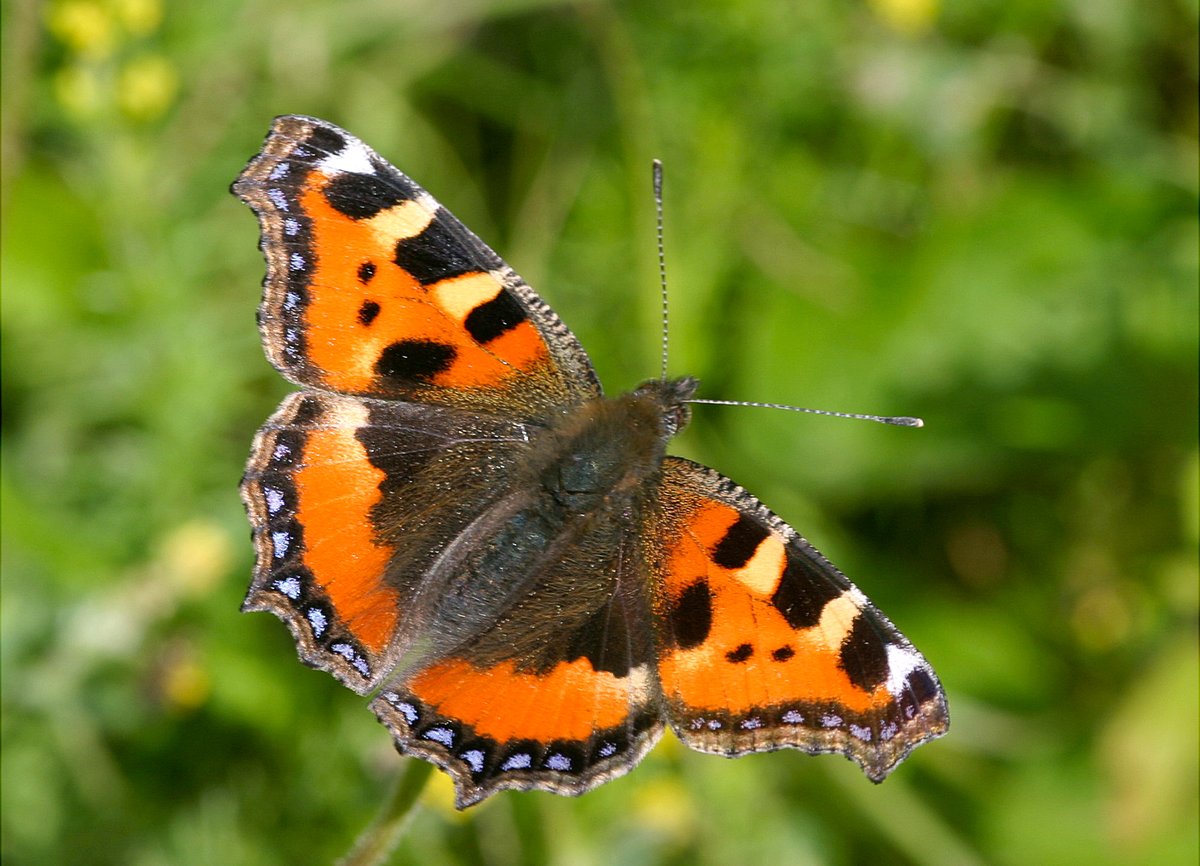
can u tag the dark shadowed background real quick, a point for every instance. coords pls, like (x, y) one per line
(982, 213)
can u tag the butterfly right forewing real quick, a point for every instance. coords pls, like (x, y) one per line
(763, 644)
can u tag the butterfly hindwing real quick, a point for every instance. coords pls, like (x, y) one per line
(763, 644)
(375, 289)
(344, 496)
(554, 689)
(564, 730)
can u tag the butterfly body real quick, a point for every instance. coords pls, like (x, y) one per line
(451, 515)
(522, 580)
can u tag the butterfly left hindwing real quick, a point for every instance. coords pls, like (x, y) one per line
(340, 493)
(449, 514)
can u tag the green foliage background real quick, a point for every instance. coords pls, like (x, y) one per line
(982, 213)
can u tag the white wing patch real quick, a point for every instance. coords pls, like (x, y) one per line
(902, 661)
(353, 158)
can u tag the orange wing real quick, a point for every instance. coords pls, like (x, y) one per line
(565, 729)
(556, 693)
(375, 289)
(763, 644)
(325, 474)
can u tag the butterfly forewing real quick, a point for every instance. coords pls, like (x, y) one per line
(375, 289)
(764, 644)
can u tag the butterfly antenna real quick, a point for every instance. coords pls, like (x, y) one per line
(899, 421)
(662, 258)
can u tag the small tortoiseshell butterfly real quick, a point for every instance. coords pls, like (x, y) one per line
(450, 514)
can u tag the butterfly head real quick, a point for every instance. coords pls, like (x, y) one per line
(671, 397)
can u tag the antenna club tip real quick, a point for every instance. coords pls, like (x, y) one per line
(909, 422)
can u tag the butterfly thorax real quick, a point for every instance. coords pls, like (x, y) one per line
(605, 451)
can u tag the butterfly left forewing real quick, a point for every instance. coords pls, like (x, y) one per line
(375, 289)
(763, 644)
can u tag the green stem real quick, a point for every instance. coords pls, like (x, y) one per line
(378, 841)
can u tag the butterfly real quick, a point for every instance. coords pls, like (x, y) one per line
(451, 516)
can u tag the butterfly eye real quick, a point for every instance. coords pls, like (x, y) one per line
(676, 394)
(676, 418)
